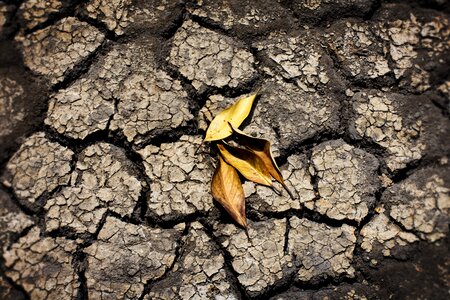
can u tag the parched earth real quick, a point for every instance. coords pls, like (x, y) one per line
(103, 104)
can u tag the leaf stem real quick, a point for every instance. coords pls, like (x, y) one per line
(199, 146)
(289, 192)
(278, 192)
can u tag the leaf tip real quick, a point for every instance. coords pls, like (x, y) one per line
(243, 222)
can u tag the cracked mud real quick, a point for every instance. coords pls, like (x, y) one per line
(126, 256)
(103, 105)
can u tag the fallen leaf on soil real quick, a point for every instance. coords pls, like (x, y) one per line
(235, 115)
(226, 189)
(262, 149)
(247, 163)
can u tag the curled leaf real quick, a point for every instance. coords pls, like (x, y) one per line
(235, 115)
(262, 149)
(226, 189)
(247, 163)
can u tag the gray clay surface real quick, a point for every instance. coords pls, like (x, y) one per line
(103, 105)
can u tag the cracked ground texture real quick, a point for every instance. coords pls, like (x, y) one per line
(103, 105)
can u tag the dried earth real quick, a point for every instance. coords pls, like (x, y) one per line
(104, 103)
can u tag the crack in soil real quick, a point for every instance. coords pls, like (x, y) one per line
(179, 250)
(66, 11)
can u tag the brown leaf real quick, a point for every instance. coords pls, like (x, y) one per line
(227, 189)
(262, 149)
(247, 163)
(235, 115)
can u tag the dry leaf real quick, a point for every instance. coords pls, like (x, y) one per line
(235, 115)
(261, 148)
(247, 163)
(227, 190)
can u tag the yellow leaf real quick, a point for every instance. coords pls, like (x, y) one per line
(262, 149)
(247, 163)
(226, 189)
(235, 115)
